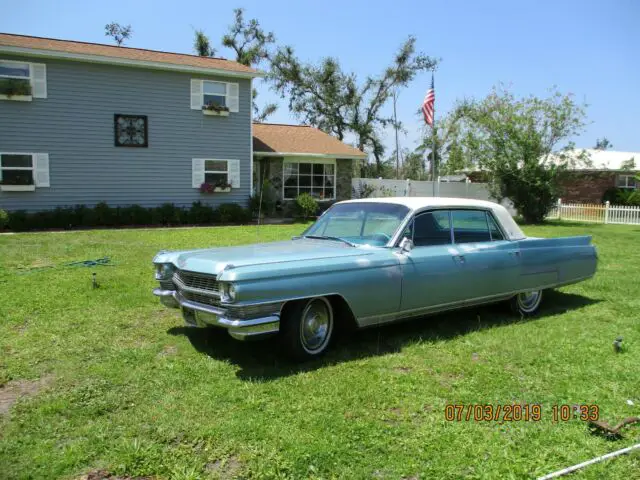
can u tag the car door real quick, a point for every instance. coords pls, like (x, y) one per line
(430, 273)
(488, 263)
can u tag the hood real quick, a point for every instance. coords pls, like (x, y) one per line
(215, 260)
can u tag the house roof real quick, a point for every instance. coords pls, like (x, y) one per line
(97, 52)
(601, 159)
(271, 139)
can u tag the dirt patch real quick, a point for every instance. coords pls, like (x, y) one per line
(226, 468)
(402, 369)
(168, 350)
(104, 475)
(15, 389)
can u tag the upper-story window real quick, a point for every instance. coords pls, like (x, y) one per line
(626, 181)
(214, 93)
(22, 79)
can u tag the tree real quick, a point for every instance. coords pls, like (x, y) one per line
(202, 45)
(603, 144)
(514, 139)
(251, 46)
(118, 32)
(336, 102)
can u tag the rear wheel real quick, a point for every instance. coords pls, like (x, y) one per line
(307, 328)
(526, 303)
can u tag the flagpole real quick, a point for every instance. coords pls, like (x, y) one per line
(433, 132)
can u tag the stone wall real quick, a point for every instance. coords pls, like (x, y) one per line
(585, 187)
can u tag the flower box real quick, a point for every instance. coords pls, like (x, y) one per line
(214, 113)
(221, 189)
(16, 98)
(17, 188)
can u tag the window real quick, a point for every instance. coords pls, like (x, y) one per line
(21, 71)
(317, 179)
(19, 79)
(16, 169)
(494, 230)
(214, 93)
(432, 228)
(626, 181)
(470, 226)
(216, 172)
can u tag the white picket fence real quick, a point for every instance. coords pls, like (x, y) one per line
(598, 213)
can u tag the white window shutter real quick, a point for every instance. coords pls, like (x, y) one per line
(41, 170)
(197, 172)
(233, 92)
(39, 80)
(234, 173)
(196, 94)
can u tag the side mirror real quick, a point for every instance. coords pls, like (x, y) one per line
(406, 245)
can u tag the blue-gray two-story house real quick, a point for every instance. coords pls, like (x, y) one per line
(83, 123)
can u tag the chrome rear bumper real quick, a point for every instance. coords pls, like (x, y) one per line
(200, 315)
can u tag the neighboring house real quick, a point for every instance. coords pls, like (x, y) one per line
(83, 123)
(587, 181)
(590, 174)
(300, 159)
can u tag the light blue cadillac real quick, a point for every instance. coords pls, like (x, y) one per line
(369, 262)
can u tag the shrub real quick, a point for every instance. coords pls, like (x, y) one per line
(201, 214)
(4, 219)
(167, 214)
(306, 205)
(134, 215)
(232, 213)
(104, 215)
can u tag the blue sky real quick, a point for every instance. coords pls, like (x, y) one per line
(588, 48)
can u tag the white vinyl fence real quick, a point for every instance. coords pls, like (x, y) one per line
(382, 187)
(598, 213)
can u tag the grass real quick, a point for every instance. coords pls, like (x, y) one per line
(128, 389)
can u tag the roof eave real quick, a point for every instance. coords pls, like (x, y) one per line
(314, 155)
(126, 62)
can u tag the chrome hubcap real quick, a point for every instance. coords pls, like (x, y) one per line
(529, 300)
(317, 323)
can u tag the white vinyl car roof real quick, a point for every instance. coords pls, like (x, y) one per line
(415, 204)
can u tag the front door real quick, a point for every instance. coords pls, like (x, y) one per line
(431, 276)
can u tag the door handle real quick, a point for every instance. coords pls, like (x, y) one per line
(459, 257)
(514, 253)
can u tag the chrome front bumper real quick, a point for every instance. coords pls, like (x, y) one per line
(200, 315)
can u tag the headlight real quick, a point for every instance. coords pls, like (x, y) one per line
(164, 271)
(228, 292)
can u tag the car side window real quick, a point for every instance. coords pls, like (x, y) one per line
(496, 233)
(470, 226)
(432, 228)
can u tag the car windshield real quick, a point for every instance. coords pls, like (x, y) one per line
(360, 223)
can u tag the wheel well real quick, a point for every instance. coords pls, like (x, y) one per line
(341, 310)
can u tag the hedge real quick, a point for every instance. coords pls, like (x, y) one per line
(102, 215)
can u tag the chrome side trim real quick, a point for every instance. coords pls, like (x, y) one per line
(374, 320)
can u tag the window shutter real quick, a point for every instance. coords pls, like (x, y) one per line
(196, 94)
(197, 172)
(39, 80)
(233, 102)
(41, 170)
(234, 173)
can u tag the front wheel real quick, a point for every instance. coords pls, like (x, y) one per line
(526, 303)
(307, 328)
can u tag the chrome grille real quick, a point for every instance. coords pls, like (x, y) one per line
(198, 298)
(167, 285)
(200, 281)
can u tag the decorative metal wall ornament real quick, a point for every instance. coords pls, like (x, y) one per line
(130, 130)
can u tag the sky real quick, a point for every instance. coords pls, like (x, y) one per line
(588, 48)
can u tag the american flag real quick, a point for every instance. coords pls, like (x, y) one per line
(428, 104)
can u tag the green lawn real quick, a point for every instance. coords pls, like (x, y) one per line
(125, 388)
